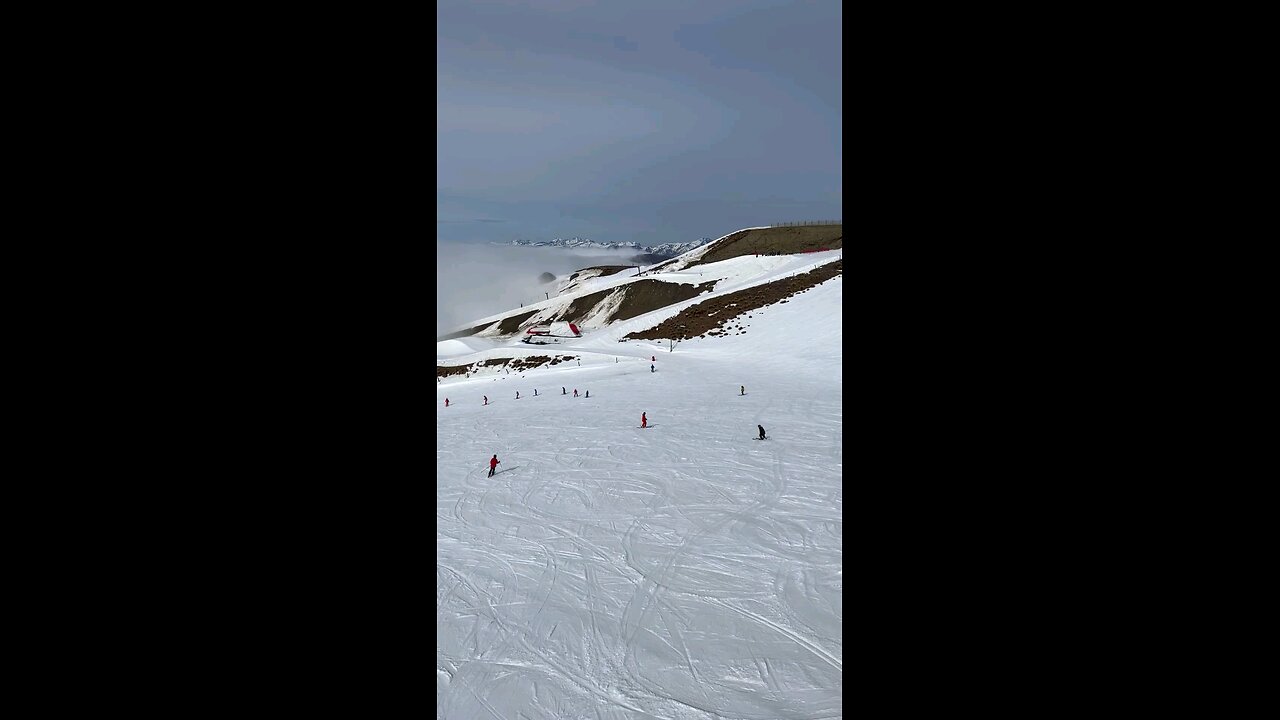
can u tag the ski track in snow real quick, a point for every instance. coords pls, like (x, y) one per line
(681, 572)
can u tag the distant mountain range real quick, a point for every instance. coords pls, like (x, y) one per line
(665, 250)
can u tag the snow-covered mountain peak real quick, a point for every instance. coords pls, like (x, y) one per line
(663, 250)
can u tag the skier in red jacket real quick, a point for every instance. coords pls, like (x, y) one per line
(446, 402)
(493, 464)
(644, 421)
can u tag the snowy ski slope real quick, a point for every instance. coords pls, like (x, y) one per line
(687, 570)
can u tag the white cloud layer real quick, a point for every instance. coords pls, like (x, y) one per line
(477, 280)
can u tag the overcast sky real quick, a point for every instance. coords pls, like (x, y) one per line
(647, 120)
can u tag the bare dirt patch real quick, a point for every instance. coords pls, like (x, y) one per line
(519, 364)
(448, 370)
(779, 240)
(644, 296)
(638, 298)
(510, 325)
(710, 317)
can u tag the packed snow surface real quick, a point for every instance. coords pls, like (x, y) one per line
(686, 570)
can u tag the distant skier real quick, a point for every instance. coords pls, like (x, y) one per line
(562, 392)
(644, 421)
(486, 399)
(588, 393)
(651, 368)
(762, 437)
(446, 402)
(493, 464)
(743, 390)
(535, 392)
(575, 392)
(517, 394)
(653, 358)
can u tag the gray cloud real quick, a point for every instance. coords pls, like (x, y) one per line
(657, 122)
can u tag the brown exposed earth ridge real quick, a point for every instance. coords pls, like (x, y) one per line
(516, 364)
(711, 316)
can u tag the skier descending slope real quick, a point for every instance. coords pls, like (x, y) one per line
(644, 421)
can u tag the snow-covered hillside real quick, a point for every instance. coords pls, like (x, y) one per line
(685, 570)
(733, 274)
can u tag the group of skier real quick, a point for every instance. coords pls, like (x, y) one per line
(535, 394)
(652, 359)
(644, 416)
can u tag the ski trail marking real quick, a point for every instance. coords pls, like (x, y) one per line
(799, 639)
